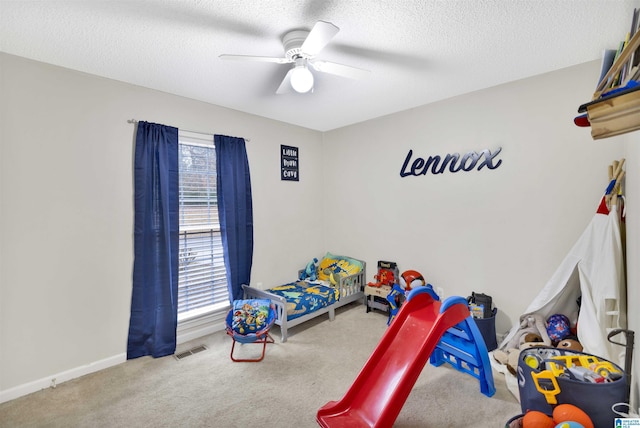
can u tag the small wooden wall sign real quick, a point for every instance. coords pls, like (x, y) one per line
(289, 163)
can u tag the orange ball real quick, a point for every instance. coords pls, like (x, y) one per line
(569, 412)
(536, 419)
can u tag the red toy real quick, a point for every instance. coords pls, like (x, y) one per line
(410, 279)
(384, 277)
(387, 272)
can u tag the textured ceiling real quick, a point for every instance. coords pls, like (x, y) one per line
(418, 51)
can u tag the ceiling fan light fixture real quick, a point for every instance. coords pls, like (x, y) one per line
(301, 77)
(300, 49)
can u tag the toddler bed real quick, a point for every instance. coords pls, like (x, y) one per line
(341, 280)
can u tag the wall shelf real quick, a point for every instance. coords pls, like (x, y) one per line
(614, 115)
(615, 106)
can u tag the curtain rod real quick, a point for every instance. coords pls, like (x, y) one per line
(187, 130)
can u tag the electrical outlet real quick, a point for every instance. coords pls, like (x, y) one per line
(53, 383)
(440, 292)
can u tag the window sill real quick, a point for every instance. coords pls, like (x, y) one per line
(194, 325)
(202, 312)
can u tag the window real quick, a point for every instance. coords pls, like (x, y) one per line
(202, 285)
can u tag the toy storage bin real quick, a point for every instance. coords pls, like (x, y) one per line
(487, 327)
(595, 399)
(514, 422)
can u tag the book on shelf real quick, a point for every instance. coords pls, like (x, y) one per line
(634, 61)
(633, 75)
(608, 56)
(615, 79)
(626, 71)
(620, 76)
(636, 73)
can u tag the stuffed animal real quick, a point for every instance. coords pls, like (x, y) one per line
(333, 277)
(509, 358)
(532, 332)
(529, 324)
(310, 272)
(530, 340)
(570, 343)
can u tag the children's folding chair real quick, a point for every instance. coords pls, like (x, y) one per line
(249, 321)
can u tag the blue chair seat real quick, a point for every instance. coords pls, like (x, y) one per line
(249, 321)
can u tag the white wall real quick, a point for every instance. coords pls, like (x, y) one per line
(66, 211)
(632, 192)
(503, 231)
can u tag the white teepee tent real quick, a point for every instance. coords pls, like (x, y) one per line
(594, 271)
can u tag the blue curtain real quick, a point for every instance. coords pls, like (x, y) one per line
(235, 211)
(154, 301)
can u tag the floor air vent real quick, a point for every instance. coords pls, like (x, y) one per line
(185, 354)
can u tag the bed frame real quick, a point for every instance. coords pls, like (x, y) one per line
(351, 289)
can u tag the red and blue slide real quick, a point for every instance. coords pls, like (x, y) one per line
(380, 390)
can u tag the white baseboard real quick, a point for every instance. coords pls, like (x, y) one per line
(58, 378)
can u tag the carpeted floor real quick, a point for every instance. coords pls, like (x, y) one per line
(316, 365)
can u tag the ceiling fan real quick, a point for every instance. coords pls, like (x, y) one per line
(300, 49)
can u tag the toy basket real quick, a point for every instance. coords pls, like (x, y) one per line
(547, 377)
(514, 422)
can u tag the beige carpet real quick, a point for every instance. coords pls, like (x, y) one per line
(317, 364)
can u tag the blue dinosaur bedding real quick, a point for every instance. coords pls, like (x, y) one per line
(304, 297)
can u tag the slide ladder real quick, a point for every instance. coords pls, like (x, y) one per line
(463, 347)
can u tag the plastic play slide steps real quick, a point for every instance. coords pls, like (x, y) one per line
(379, 392)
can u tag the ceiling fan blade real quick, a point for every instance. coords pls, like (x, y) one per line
(285, 86)
(255, 58)
(320, 35)
(339, 69)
